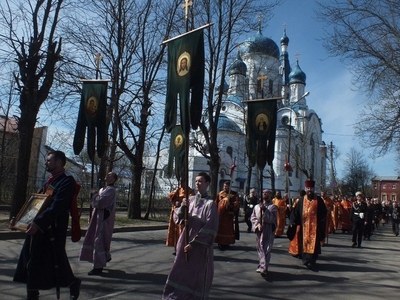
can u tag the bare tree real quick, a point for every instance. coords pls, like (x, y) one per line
(358, 173)
(231, 20)
(129, 41)
(8, 139)
(365, 35)
(31, 41)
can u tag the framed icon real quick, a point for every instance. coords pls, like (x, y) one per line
(183, 64)
(36, 204)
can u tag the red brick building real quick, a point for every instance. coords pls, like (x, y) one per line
(386, 188)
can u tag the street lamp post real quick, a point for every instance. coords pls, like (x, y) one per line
(287, 162)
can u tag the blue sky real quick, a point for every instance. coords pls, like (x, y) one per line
(328, 81)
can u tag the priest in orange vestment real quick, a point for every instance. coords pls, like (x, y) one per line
(310, 214)
(228, 204)
(175, 230)
(281, 204)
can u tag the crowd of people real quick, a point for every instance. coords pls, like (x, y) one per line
(309, 219)
(197, 222)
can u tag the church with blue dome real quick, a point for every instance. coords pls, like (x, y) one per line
(300, 152)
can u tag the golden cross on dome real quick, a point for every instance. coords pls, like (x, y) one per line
(260, 17)
(297, 56)
(186, 7)
(262, 78)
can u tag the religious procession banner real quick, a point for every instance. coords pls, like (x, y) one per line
(185, 73)
(92, 115)
(261, 131)
(176, 159)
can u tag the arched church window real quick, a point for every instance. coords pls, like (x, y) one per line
(229, 150)
(270, 87)
(285, 120)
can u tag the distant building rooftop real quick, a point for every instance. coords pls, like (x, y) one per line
(386, 178)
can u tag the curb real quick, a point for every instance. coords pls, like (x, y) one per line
(15, 235)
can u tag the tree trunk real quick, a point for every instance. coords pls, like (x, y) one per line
(214, 172)
(26, 127)
(153, 179)
(134, 210)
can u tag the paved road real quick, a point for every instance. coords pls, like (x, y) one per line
(140, 265)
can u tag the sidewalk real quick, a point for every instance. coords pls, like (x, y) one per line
(133, 225)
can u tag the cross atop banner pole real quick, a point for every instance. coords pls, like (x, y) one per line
(91, 120)
(185, 84)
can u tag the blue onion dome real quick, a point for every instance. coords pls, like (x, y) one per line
(226, 124)
(235, 99)
(260, 44)
(225, 88)
(297, 75)
(238, 67)
(284, 39)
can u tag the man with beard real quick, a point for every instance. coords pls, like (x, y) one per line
(310, 214)
(228, 205)
(43, 262)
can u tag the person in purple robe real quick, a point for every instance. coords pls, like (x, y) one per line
(192, 272)
(96, 245)
(264, 220)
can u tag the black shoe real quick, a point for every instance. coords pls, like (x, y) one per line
(74, 289)
(264, 274)
(96, 271)
(353, 245)
(368, 239)
(33, 295)
(359, 246)
(108, 260)
(222, 247)
(397, 233)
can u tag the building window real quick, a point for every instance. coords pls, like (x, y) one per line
(384, 185)
(393, 197)
(375, 186)
(229, 150)
(383, 197)
(393, 186)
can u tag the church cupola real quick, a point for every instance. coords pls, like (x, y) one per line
(297, 83)
(238, 67)
(261, 45)
(297, 75)
(284, 40)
